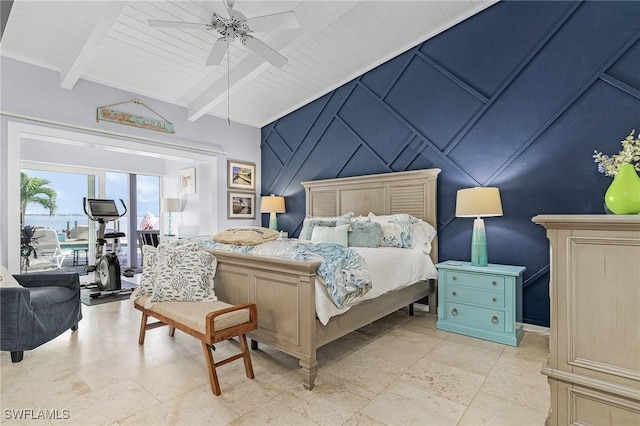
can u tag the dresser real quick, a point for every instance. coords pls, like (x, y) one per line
(593, 366)
(481, 301)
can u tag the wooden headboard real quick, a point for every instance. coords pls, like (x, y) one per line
(412, 192)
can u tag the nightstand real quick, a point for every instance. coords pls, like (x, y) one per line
(481, 301)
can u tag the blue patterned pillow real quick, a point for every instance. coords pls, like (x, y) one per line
(397, 229)
(365, 234)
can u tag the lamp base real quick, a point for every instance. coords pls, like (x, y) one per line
(479, 244)
(170, 232)
(273, 221)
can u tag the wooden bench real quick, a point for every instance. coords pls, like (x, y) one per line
(209, 322)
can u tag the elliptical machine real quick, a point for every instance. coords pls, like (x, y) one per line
(107, 267)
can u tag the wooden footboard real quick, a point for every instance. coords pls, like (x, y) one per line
(284, 292)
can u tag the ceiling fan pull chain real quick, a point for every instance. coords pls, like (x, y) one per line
(228, 74)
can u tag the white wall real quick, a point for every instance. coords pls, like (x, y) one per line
(31, 98)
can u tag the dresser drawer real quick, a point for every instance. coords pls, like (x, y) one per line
(475, 296)
(481, 281)
(480, 318)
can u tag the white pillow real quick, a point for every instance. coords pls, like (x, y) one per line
(7, 280)
(331, 234)
(150, 272)
(309, 223)
(423, 234)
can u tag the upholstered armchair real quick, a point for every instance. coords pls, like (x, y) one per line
(36, 309)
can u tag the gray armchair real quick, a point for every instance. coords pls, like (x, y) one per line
(43, 308)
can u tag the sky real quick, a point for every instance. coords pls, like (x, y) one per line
(71, 187)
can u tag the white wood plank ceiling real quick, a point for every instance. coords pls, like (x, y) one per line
(111, 43)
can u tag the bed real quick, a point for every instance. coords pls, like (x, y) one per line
(284, 290)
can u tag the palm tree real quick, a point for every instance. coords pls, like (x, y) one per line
(36, 190)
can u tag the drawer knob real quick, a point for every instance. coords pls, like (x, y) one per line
(454, 293)
(494, 299)
(494, 319)
(494, 283)
(454, 278)
(454, 312)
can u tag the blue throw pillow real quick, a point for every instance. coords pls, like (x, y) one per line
(365, 234)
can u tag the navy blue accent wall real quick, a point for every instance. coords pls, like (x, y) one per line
(517, 97)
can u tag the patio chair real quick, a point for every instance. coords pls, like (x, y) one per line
(48, 245)
(147, 237)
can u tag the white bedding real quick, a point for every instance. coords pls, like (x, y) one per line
(390, 268)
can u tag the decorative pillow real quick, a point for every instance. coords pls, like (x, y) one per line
(246, 236)
(151, 264)
(184, 276)
(331, 234)
(397, 229)
(423, 234)
(149, 272)
(310, 222)
(365, 234)
(7, 280)
(148, 222)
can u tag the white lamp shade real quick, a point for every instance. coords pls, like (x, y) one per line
(272, 204)
(171, 205)
(478, 202)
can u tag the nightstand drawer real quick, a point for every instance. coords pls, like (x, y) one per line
(475, 296)
(481, 318)
(481, 281)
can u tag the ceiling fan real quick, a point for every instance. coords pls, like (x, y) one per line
(237, 26)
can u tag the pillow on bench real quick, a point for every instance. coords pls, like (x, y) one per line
(177, 274)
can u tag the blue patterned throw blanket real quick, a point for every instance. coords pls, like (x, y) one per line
(343, 271)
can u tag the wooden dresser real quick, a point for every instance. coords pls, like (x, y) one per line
(594, 347)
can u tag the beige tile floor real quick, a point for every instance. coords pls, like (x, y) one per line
(400, 370)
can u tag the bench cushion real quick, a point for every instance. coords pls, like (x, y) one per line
(194, 314)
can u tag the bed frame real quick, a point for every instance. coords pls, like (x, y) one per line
(284, 290)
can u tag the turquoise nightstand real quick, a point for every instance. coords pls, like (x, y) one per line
(481, 301)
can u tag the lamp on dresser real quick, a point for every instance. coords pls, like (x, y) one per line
(478, 202)
(273, 204)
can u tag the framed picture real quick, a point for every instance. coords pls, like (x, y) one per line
(188, 181)
(241, 175)
(241, 205)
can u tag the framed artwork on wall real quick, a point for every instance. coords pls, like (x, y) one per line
(188, 181)
(241, 205)
(241, 175)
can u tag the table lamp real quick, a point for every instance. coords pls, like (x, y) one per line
(272, 204)
(170, 205)
(478, 202)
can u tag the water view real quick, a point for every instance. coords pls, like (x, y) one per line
(60, 192)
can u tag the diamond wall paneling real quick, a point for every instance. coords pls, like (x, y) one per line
(518, 97)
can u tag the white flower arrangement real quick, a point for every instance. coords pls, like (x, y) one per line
(630, 153)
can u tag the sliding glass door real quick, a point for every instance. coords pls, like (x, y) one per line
(55, 231)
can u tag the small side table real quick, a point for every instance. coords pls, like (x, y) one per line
(76, 257)
(481, 301)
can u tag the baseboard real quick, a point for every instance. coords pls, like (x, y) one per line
(532, 328)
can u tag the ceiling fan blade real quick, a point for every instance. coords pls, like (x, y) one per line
(277, 21)
(209, 7)
(177, 24)
(265, 51)
(217, 52)
(232, 12)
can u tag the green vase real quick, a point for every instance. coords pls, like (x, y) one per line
(623, 195)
